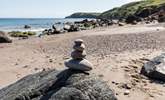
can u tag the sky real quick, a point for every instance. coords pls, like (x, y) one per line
(54, 8)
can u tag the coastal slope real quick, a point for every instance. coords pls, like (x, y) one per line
(84, 15)
(132, 9)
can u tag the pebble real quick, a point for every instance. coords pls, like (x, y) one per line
(127, 86)
(126, 92)
(50, 60)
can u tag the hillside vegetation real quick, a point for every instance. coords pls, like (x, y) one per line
(84, 15)
(131, 9)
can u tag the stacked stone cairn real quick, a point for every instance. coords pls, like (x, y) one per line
(78, 61)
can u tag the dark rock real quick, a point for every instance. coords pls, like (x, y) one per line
(4, 38)
(78, 54)
(161, 18)
(131, 19)
(155, 68)
(145, 12)
(54, 85)
(27, 26)
(121, 24)
(71, 28)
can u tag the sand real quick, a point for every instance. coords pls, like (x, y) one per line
(118, 53)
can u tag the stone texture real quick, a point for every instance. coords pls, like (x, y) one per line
(55, 85)
(78, 54)
(79, 47)
(78, 41)
(155, 68)
(4, 38)
(78, 61)
(83, 65)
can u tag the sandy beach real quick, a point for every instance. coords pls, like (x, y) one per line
(118, 53)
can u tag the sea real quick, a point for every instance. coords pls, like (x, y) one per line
(37, 24)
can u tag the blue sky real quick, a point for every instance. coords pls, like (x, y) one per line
(54, 8)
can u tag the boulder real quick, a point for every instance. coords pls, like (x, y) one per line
(155, 68)
(71, 28)
(161, 18)
(27, 26)
(131, 19)
(55, 85)
(4, 38)
(56, 31)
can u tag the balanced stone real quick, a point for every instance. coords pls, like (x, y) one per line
(80, 47)
(78, 41)
(78, 54)
(83, 65)
(78, 61)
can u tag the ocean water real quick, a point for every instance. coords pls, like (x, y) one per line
(37, 24)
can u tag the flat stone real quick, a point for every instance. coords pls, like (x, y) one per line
(78, 41)
(83, 65)
(79, 47)
(78, 54)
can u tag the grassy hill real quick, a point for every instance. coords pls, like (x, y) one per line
(131, 8)
(84, 15)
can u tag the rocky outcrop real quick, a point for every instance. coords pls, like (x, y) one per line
(71, 28)
(4, 38)
(27, 26)
(84, 15)
(55, 85)
(131, 19)
(155, 68)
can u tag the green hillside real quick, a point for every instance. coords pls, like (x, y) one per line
(84, 15)
(130, 9)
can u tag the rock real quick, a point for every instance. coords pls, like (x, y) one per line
(78, 54)
(66, 27)
(126, 86)
(78, 61)
(79, 47)
(161, 18)
(27, 26)
(55, 85)
(83, 65)
(126, 92)
(144, 13)
(132, 19)
(155, 68)
(4, 38)
(56, 30)
(121, 24)
(54, 27)
(78, 41)
(71, 28)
